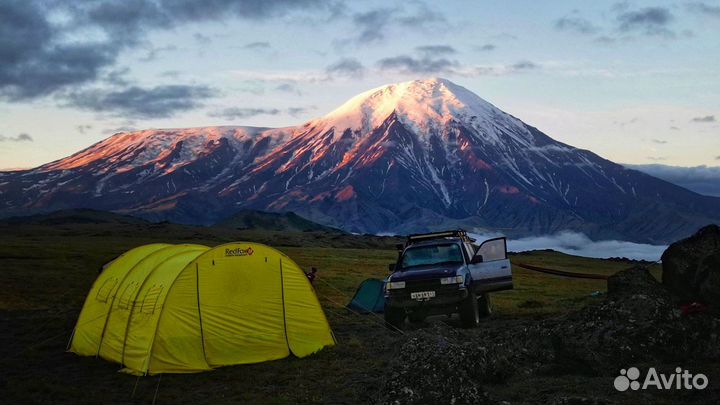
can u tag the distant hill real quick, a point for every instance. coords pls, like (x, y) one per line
(112, 229)
(271, 221)
(73, 217)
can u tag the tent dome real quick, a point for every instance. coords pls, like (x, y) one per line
(164, 308)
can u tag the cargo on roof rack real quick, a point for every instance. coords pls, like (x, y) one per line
(458, 233)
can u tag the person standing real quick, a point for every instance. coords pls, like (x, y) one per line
(311, 275)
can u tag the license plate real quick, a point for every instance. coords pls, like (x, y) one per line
(422, 295)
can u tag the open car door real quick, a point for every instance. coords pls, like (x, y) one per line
(490, 268)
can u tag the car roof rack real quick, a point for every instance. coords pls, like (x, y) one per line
(458, 233)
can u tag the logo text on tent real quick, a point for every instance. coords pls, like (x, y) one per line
(239, 252)
(681, 379)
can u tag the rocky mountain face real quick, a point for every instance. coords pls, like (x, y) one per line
(406, 157)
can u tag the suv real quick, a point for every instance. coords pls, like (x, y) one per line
(445, 273)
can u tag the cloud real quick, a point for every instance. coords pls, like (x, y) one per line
(124, 128)
(261, 45)
(34, 62)
(486, 47)
(648, 21)
(42, 54)
(23, 137)
(434, 50)
(628, 122)
(707, 118)
(372, 25)
(576, 24)
(288, 88)
(700, 179)
(606, 40)
(233, 113)
(202, 39)
(137, 102)
(117, 77)
(83, 128)
(424, 65)
(579, 244)
(421, 16)
(704, 9)
(524, 65)
(350, 67)
(154, 52)
(297, 111)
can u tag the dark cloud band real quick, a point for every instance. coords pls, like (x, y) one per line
(138, 102)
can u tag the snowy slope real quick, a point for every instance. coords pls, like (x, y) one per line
(403, 157)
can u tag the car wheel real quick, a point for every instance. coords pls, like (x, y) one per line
(484, 305)
(416, 318)
(469, 313)
(394, 318)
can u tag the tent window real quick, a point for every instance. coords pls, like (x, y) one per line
(151, 299)
(127, 295)
(104, 291)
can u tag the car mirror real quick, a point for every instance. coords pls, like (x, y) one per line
(391, 267)
(399, 246)
(477, 259)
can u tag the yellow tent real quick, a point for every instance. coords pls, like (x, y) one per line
(163, 308)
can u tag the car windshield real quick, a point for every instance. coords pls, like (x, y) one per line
(432, 254)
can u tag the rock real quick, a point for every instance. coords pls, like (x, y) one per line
(635, 280)
(436, 367)
(681, 266)
(709, 275)
(635, 322)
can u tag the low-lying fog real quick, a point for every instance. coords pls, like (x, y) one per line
(579, 244)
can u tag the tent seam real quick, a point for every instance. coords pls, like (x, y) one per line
(282, 295)
(112, 303)
(162, 311)
(197, 290)
(132, 308)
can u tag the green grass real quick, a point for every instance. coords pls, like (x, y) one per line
(46, 273)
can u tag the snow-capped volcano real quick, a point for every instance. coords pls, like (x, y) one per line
(424, 105)
(404, 157)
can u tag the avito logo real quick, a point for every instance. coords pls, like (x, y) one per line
(681, 379)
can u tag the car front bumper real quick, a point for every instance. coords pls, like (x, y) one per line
(445, 296)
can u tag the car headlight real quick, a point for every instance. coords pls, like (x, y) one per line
(452, 280)
(394, 285)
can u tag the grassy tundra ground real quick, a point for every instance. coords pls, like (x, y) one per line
(47, 269)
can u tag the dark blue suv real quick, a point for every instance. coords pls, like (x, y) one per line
(445, 273)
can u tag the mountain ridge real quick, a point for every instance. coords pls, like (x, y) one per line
(400, 158)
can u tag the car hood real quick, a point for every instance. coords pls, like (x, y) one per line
(433, 271)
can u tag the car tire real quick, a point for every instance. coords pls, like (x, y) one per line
(416, 318)
(484, 305)
(469, 313)
(394, 318)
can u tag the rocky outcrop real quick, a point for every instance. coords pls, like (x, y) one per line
(638, 322)
(691, 267)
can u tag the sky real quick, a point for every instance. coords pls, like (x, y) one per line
(635, 82)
